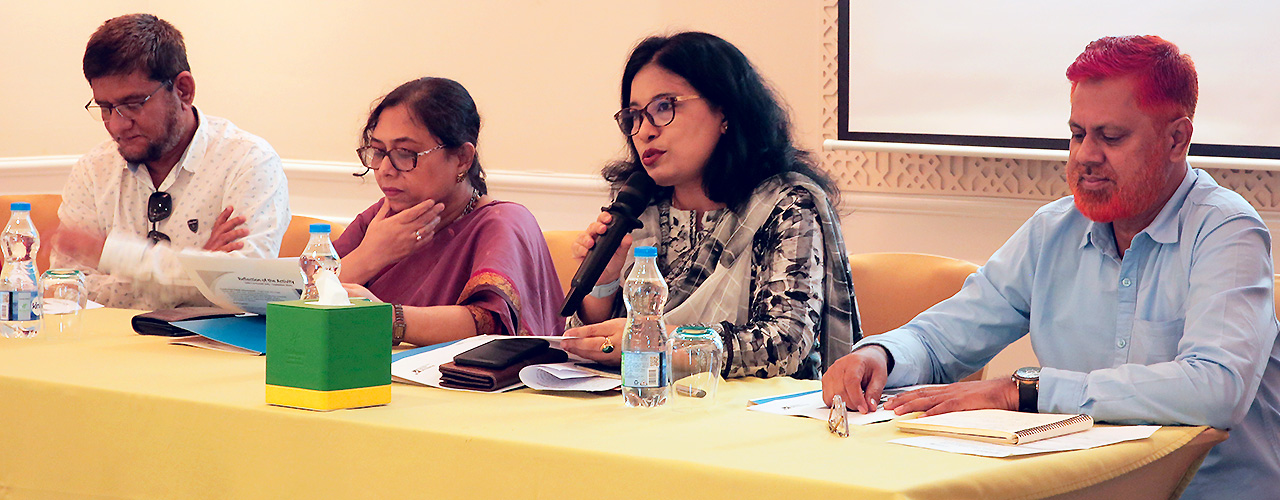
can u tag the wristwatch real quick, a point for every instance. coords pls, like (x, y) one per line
(1028, 381)
(397, 324)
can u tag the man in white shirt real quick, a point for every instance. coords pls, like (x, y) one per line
(171, 180)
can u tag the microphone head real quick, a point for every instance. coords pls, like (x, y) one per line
(635, 194)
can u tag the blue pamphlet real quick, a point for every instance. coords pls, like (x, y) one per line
(246, 332)
(397, 356)
(784, 396)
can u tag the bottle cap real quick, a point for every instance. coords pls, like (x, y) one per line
(646, 252)
(319, 228)
(20, 205)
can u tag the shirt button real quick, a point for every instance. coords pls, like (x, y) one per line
(1121, 343)
(1126, 282)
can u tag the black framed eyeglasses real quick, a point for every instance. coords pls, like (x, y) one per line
(661, 111)
(402, 159)
(128, 110)
(159, 207)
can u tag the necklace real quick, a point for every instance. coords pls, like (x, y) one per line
(471, 205)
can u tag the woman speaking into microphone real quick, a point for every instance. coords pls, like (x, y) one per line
(732, 189)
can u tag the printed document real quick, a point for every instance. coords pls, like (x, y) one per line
(243, 284)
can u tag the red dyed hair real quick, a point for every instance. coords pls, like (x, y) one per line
(1166, 78)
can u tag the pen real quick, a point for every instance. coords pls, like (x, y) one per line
(685, 390)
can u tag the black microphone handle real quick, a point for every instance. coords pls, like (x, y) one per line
(597, 259)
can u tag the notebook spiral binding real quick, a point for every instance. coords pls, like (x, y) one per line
(1056, 425)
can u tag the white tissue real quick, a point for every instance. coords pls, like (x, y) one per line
(330, 289)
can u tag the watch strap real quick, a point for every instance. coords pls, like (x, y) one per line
(1028, 394)
(397, 324)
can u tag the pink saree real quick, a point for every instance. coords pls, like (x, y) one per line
(493, 260)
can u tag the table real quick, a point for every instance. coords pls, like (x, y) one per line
(118, 415)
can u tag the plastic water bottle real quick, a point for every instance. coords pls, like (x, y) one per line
(19, 287)
(319, 254)
(646, 353)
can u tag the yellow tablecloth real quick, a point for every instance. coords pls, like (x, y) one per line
(118, 415)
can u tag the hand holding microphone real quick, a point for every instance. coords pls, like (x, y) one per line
(601, 254)
(587, 240)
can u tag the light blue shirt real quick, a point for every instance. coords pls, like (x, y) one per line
(1182, 330)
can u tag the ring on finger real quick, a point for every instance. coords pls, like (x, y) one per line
(607, 347)
(417, 236)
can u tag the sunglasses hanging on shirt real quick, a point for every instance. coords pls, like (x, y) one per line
(159, 207)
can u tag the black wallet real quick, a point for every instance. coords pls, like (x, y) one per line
(159, 322)
(501, 353)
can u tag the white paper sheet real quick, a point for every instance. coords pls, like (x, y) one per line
(811, 405)
(64, 306)
(208, 343)
(566, 376)
(243, 284)
(1092, 438)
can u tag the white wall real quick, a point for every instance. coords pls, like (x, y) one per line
(302, 74)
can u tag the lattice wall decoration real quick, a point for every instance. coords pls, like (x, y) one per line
(955, 175)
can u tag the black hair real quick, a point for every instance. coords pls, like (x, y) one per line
(757, 143)
(136, 42)
(446, 109)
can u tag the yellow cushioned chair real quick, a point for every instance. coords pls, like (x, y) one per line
(44, 214)
(893, 288)
(560, 243)
(299, 232)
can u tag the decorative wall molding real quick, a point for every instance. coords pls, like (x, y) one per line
(863, 171)
(328, 189)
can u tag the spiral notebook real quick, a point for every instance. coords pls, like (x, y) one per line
(998, 426)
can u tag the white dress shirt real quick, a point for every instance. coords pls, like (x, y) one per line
(106, 196)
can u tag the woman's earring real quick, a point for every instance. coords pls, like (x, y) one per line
(461, 177)
(724, 127)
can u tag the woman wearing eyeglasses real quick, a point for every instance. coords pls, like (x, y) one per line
(706, 128)
(452, 260)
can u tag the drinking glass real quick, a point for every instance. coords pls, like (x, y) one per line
(697, 360)
(63, 296)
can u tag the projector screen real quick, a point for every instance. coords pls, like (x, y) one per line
(992, 73)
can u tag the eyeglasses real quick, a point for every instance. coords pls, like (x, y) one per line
(159, 206)
(838, 420)
(402, 159)
(128, 110)
(661, 111)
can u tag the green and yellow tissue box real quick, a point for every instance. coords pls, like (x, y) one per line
(328, 357)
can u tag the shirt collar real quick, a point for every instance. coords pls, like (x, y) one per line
(193, 157)
(1162, 229)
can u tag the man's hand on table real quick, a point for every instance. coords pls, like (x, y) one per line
(999, 393)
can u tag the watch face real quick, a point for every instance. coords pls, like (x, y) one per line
(1028, 373)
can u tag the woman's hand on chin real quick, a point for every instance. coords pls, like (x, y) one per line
(393, 237)
(592, 341)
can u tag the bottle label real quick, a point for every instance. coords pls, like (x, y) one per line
(645, 369)
(18, 306)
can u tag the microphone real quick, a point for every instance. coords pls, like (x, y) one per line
(626, 209)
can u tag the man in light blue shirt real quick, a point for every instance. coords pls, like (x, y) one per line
(1148, 294)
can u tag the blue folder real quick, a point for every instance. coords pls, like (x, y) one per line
(245, 332)
(397, 356)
